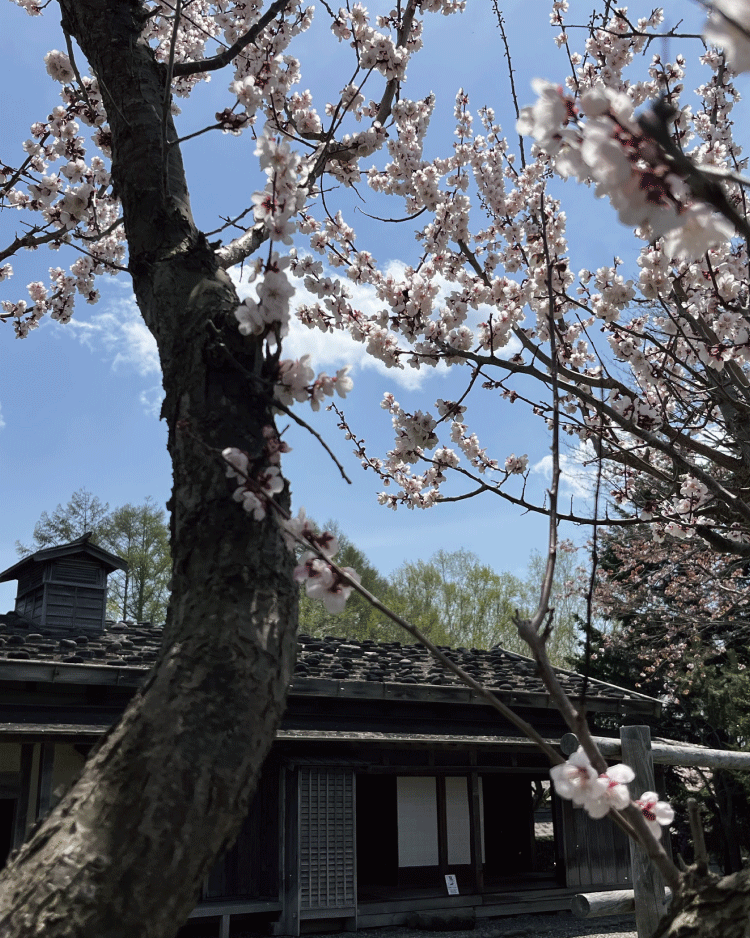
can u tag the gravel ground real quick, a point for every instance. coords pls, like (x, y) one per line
(557, 925)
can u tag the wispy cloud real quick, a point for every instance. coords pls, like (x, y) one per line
(2, 422)
(121, 332)
(575, 477)
(151, 400)
(121, 335)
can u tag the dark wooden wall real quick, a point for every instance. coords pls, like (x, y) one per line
(250, 868)
(595, 853)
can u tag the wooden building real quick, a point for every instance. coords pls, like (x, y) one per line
(388, 777)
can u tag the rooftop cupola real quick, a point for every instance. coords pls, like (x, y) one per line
(64, 587)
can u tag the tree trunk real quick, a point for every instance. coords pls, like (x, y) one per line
(125, 851)
(708, 907)
(125, 595)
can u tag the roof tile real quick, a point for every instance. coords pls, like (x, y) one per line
(330, 658)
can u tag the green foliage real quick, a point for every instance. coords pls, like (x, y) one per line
(456, 600)
(137, 533)
(359, 620)
(453, 598)
(568, 600)
(84, 512)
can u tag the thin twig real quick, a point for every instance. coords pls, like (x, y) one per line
(592, 582)
(290, 413)
(166, 106)
(501, 27)
(71, 56)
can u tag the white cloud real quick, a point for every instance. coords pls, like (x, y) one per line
(123, 335)
(151, 399)
(2, 422)
(333, 350)
(575, 478)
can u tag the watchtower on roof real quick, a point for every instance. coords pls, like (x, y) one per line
(64, 587)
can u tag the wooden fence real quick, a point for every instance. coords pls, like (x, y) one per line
(636, 748)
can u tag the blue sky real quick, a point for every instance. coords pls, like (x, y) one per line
(79, 403)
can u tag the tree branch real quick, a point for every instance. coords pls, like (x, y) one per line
(225, 57)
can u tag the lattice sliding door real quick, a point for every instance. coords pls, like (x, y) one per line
(326, 839)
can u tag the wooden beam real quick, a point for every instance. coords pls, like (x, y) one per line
(667, 752)
(48, 672)
(442, 826)
(289, 920)
(44, 784)
(618, 902)
(648, 884)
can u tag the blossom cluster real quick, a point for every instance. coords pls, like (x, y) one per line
(71, 197)
(588, 131)
(626, 165)
(297, 381)
(259, 482)
(322, 581)
(598, 793)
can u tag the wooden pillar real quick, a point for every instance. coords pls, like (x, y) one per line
(44, 784)
(648, 884)
(442, 827)
(22, 808)
(289, 920)
(475, 820)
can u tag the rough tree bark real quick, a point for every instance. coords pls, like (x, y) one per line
(709, 907)
(125, 851)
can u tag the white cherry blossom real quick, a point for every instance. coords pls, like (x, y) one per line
(657, 813)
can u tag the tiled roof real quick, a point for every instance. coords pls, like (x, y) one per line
(131, 644)
(338, 659)
(323, 660)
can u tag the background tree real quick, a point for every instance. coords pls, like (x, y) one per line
(457, 600)
(84, 512)
(359, 620)
(678, 630)
(136, 533)
(139, 534)
(568, 599)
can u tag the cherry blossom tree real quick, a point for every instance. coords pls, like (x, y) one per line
(492, 289)
(102, 178)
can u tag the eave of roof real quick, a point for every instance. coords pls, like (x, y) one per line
(104, 675)
(79, 546)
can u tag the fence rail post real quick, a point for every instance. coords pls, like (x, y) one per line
(648, 884)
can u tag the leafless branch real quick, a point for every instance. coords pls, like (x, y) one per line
(501, 27)
(298, 420)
